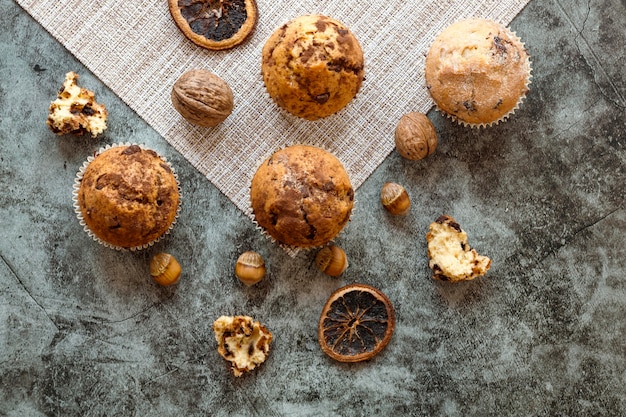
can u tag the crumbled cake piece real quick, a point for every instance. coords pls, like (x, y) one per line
(75, 110)
(451, 257)
(243, 342)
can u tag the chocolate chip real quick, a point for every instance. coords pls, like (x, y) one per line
(500, 46)
(328, 186)
(165, 166)
(88, 110)
(322, 98)
(321, 25)
(351, 194)
(470, 105)
(307, 54)
(455, 226)
(132, 149)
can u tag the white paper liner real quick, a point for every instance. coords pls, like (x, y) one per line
(291, 250)
(79, 214)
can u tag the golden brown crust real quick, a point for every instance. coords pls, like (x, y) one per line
(312, 66)
(128, 196)
(302, 196)
(477, 71)
(216, 24)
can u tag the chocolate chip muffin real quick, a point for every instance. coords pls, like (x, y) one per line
(127, 197)
(477, 72)
(312, 66)
(301, 196)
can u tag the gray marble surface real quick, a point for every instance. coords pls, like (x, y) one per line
(85, 332)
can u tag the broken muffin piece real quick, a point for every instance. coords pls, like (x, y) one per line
(451, 257)
(243, 342)
(75, 110)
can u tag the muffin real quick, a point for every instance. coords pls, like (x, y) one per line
(301, 196)
(312, 66)
(450, 256)
(127, 197)
(477, 72)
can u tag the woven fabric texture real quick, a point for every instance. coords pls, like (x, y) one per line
(136, 49)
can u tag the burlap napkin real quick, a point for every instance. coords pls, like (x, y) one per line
(135, 48)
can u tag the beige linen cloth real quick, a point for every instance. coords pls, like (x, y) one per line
(136, 49)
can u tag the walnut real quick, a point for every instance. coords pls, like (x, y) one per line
(415, 136)
(202, 98)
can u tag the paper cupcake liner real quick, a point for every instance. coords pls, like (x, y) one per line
(291, 250)
(79, 214)
(516, 39)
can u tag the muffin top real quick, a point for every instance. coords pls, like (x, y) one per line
(312, 66)
(477, 71)
(128, 196)
(302, 196)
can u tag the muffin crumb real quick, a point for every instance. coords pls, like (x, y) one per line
(451, 257)
(75, 110)
(243, 342)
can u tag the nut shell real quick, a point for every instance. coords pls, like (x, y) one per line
(331, 260)
(415, 136)
(165, 269)
(202, 98)
(395, 199)
(250, 268)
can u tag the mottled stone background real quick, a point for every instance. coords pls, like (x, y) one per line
(85, 332)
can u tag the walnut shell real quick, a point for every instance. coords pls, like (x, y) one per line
(415, 136)
(202, 98)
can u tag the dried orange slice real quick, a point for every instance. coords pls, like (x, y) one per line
(215, 24)
(356, 323)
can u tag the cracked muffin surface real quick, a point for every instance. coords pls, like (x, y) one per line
(312, 66)
(302, 196)
(128, 196)
(477, 72)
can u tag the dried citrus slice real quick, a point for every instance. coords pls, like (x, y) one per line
(356, 323)
(215, 24)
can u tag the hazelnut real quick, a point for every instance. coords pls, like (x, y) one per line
(415, 136)
(165, 269)
(395, 199)
(202, 98)
(250, 268)
(331, 260)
